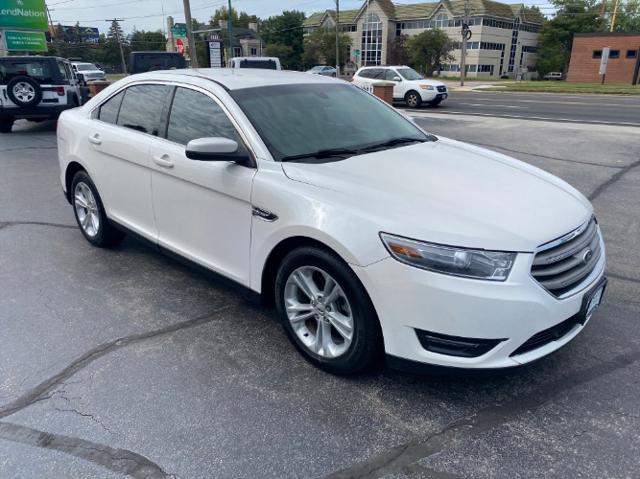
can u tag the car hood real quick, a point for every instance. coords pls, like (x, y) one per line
(451, 193)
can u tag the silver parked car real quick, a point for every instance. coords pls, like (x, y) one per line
(324, 70)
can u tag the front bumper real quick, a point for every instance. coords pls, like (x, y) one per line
(432, 95)
(408, 299)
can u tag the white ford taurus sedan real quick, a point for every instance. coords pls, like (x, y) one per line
(369, 234)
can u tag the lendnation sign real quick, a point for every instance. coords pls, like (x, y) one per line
(23, 14)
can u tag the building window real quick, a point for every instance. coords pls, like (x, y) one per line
(441, 21)
(632, 53)
(349, 28)
(254, 52)
(372, 40)
(597, 54)
(614, 54)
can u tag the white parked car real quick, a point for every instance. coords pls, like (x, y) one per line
(88, 72)
(325, 70)
(369, 234)
(266, 63)
(410, 86)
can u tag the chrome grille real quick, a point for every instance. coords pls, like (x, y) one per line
(563, 264)
(442, 88)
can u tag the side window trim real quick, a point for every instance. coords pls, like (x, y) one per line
(166, 113)
(236, 126)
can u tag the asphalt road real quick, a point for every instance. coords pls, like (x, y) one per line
(124, 363)
(597, 109)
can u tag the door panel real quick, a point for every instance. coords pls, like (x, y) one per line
(202, 208)
(120, 139)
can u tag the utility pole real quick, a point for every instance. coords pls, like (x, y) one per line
(115, 28)
(192, 42)
(613, 18)
(230, 33)
(337, 38)
(466, 35)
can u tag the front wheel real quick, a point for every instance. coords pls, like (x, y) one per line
(326, 312)
(90, 214)
(413, 99)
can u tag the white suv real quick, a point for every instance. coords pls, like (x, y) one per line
(410, 86)
(369, 234)
(36, 88)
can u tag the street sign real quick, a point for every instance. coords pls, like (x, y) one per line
(179, 30)
(24, 41)
(23, 14)
(604, 60)
(215, 54)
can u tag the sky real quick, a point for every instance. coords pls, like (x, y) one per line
(148, 14)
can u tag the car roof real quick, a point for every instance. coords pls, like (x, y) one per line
(384, 66)
(31, 57)
(233, 78)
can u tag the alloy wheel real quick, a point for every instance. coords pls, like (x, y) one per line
(319, 311)
(412, 100)
(24, 92)
(86, 209)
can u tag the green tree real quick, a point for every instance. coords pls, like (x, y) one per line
(398, 50)
(320, 47)
(556, 34)
(148, 41)
(285, 30)
(283, 52)
(627, 17)
(241, 19)
(429, 49)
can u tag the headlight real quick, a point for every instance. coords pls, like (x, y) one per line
(427, 87)
(470, 263)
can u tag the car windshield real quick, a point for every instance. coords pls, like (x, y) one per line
(301, 120)
(317, 68)
(263, 64)
(410, 74)
(86, 67)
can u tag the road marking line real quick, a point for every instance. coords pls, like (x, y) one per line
(518, 117)
(496, 106)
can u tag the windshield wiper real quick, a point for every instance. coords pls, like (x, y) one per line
(395, 141)
(329, 153)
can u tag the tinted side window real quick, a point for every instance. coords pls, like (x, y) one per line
(195, 115)
(109, 110)
(365, 74)
(390, 75)
(142, 106)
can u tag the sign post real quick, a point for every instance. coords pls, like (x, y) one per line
(604, 60)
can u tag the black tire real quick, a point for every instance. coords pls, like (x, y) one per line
(413, 99)
(434, 103)
(107, 235)
(37, 91)
(6, 124)
(366, 345)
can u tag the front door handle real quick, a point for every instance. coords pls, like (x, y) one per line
(95, 139)
(163, 160)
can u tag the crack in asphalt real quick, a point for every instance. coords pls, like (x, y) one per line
(614, 178)
(103, 455)
(470, 427)
(554, 158)
(117, 460)
(6, 224)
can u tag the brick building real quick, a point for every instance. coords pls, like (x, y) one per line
(504, 41)
(624, 57)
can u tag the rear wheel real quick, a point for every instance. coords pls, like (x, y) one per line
(6, 124)
(413, 99)
(326, 311)
(90, 214)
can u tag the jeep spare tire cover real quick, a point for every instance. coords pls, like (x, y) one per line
(24, 91)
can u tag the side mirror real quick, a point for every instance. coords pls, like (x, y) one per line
(397, 79)
(215, 149)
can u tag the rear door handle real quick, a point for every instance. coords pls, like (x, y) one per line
(95, 139)
(163, 160)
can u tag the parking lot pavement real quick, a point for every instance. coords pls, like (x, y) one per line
(125, 363)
